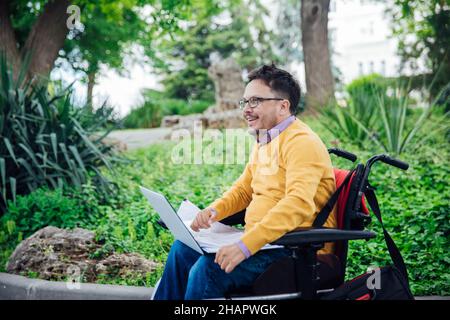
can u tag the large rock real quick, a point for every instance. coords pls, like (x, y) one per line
(229, 88)
(58, 254)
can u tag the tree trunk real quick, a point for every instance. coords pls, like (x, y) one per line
(90, 89)
(314, 28)
(46, 38)
(8, 44)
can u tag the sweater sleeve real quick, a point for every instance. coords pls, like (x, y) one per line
(237, 198)
(305, 165)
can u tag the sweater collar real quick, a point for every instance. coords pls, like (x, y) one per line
(265, 136)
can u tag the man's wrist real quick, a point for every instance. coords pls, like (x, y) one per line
(213, 212)
(244, 249)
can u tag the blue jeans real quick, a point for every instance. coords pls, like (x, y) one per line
(191, 276)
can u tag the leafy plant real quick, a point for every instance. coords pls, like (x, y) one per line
(156, 106)
(414, 205)
(395, 133)
(383, 114)
(358, 106)
(45, 140)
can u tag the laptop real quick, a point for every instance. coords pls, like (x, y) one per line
(171, 219)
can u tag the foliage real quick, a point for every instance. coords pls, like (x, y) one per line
(415, 210)
(423, 30)
(383, 112)
(108, 31)
(288, 34)
(45, 140)
(155, 107)
(45, 207)
(362, 95)
(414, 206)
(185, 58)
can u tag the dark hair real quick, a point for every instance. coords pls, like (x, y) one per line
(279, 80)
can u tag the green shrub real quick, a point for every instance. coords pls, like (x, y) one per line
(414, 205)
(44, 207)
(148, 115)
(359, 105)
(156, 106)
(378, 114)
(42, 140)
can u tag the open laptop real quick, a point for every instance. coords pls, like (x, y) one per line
(171, 219)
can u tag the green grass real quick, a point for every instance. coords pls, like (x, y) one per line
(414, 204)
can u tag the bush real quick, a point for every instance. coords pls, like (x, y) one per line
(380, 112)
(68, 208)
(46, 141)
(156, 106)
(359, 105)
(414, 205)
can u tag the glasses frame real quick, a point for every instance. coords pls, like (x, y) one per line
(256, 102)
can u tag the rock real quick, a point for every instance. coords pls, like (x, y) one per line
(56, 254)
(229, 88)
(226, 119)
(116, 144)
(124, 263)
(228, 84)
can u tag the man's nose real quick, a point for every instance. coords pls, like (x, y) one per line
(247, 109)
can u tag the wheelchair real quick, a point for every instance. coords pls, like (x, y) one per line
(305, 274)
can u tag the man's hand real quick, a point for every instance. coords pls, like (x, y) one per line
(202, 220)
(228, 257)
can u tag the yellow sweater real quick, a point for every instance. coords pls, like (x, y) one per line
(284, 185)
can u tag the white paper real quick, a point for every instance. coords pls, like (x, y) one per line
(216, 236)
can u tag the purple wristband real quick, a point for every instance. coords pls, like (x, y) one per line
(214, 212)
(244, 249)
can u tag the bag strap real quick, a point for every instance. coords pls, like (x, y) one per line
(394, 252)
(322, 216)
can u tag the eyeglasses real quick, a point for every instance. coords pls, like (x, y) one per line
(253, 102)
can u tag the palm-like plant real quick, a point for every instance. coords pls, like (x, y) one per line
(42, 141)
(382, 119)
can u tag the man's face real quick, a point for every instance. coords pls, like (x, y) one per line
(269, 112)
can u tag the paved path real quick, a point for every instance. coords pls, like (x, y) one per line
(138, 138)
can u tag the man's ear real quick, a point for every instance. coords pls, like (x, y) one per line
(285, 107)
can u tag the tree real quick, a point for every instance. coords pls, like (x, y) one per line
(423, 30)
(45, 37)
(38, 30)
(102, 41)
(316, 53)
(187, 56)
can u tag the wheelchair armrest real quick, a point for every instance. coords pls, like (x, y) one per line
(320, 235)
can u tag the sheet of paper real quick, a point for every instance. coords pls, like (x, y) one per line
(213, 238)
(187, 210)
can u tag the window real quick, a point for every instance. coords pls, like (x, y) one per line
(360, 68)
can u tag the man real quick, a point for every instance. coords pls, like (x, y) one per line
(286, 182)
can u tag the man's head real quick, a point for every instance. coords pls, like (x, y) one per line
(272, 94)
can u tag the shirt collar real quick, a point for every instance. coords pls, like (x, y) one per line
(265, 136)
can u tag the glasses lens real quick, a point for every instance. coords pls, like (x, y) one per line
(253, 102)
